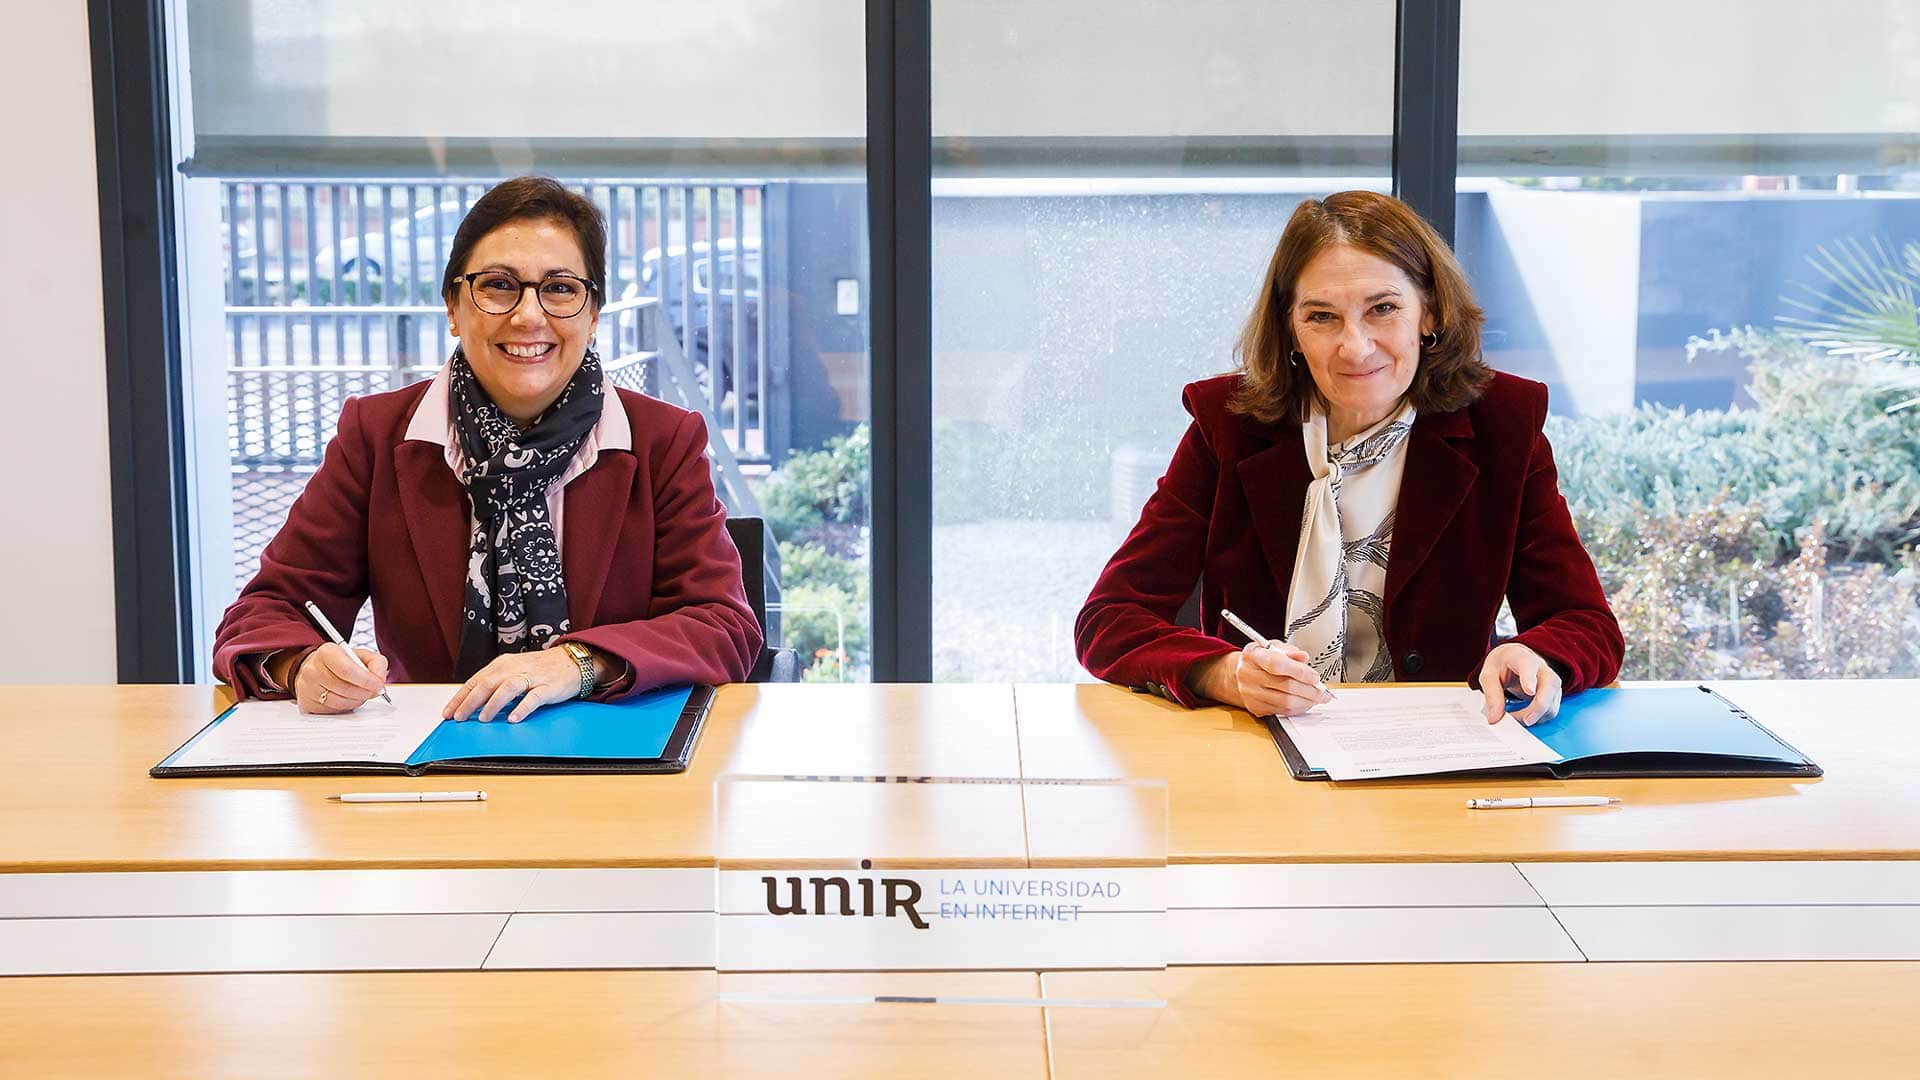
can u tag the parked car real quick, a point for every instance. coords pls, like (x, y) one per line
(665, 274)
(376, 251)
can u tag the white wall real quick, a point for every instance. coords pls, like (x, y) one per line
(56, 537)
(1589, 304)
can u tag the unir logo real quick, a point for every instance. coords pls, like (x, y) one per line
(897, 895)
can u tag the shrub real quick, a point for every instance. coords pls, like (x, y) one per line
(811, 564)
(1854, 624)
(1818, 444)
(1674, 581)
(1774, 540)
(826, 625)
(814, 491)
(816, 505)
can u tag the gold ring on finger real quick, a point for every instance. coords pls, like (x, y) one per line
(323, 697)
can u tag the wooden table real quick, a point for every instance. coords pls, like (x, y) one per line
(1338, 885)
(523, 1024)
(90, 806)
(1605, 1021)
(1753, 1021)
(1233, 801)
(86, 802)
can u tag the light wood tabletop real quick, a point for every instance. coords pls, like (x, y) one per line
(1232, 800)
(1561, 1020)
(85, 803)
(1753, 1021)
(507, 1024)
(81, 799)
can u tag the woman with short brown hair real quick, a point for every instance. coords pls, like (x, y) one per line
(1366, 487)
(521, 526)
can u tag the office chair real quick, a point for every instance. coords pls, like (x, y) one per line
(750, 537)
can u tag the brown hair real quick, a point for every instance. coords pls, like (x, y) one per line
(530, 198)
(1451, 374)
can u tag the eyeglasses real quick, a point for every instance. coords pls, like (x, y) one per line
(497, 292)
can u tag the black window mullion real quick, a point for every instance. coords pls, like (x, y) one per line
(900, 235)
(146, 439)
(1426, 108)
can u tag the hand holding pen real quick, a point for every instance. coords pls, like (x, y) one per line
(338, 678)
(1271, 677)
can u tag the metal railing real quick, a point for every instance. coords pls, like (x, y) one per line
(342, 282)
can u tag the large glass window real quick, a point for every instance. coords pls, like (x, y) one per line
(331, 150)
(1706, 240)
(1109, 181)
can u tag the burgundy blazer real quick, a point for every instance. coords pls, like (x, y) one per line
(652, 576)
(1479, 517)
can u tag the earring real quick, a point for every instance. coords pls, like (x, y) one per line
(1296, 358)
(452, 330)
(1428, 341)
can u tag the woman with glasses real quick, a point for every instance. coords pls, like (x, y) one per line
(1364, 491)
(521, 526)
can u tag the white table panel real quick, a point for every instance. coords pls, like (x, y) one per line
(1250, 885)
(262, 892)
(1632, 884)
(246, 943)
(621, 890)
(1855, 932)
(1398, 935)
(605, 940)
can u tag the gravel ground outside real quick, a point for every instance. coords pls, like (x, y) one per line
(1005, 594)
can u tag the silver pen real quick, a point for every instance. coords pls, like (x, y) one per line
(1255, 635)
(411, 796)
(1543, 800)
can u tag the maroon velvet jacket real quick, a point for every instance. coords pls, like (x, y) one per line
(1479, 517)
(652, 576)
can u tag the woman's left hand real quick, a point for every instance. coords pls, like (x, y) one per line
(536, 678)
(1515, 667)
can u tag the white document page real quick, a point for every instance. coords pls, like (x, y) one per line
(1370, 733)
(278, 733)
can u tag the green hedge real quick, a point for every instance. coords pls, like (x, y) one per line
(816, 505)
(1819, 445)
(1757, 542)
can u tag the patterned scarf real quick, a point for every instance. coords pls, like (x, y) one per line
(516, 599)
(1346, 532)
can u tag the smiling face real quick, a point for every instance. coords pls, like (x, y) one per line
(523, 359)
(1357, 318)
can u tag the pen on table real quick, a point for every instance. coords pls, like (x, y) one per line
(326, 627)
(759, 998)
(1255, 635)
(411, 796)
(1548, 800)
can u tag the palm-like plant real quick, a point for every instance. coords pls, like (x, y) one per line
(1868, 309)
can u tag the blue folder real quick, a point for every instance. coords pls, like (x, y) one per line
(1634, 731)
(654, 732)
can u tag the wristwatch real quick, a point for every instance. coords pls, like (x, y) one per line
(584, 657)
